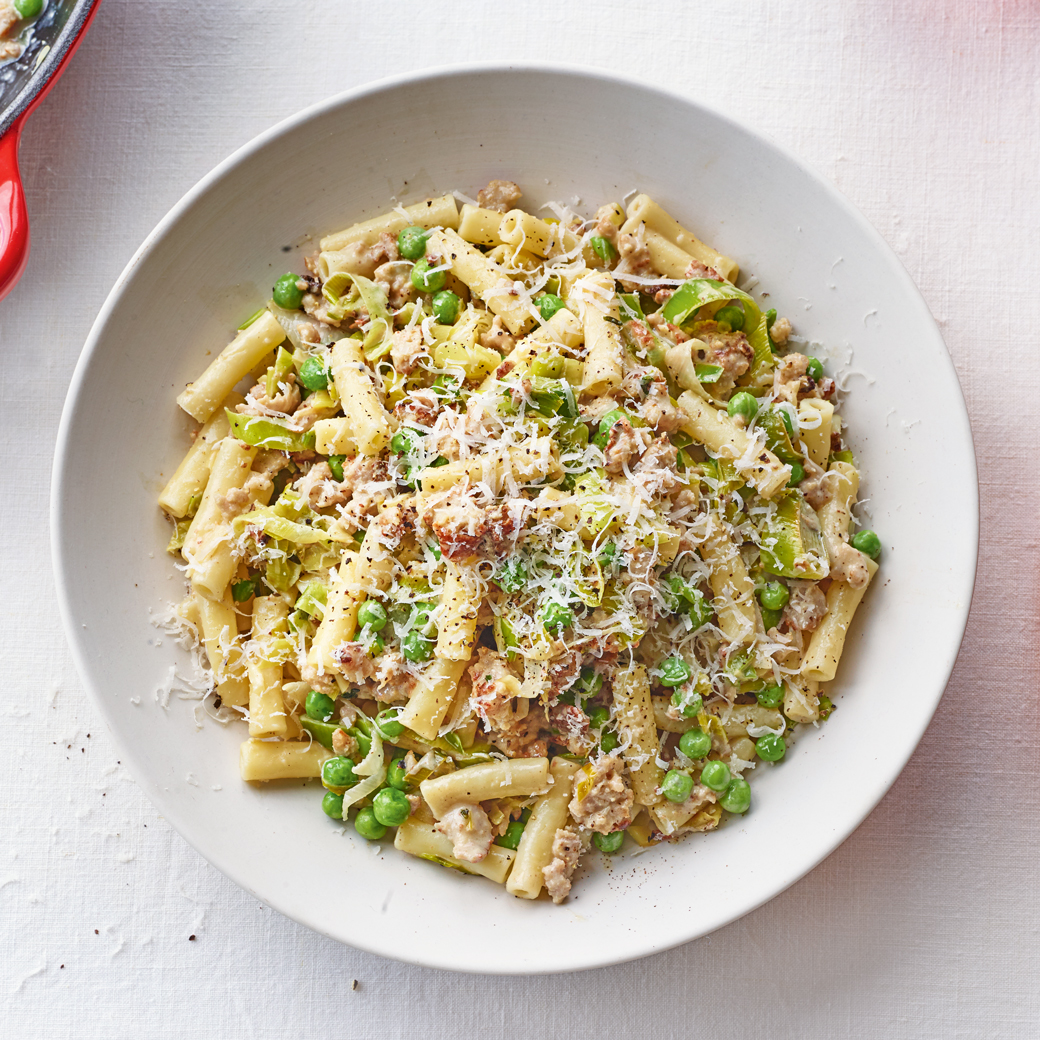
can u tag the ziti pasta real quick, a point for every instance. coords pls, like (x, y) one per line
(528, 533)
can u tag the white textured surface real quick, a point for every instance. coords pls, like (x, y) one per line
(925, 923)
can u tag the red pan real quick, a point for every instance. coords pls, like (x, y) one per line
(24, 83)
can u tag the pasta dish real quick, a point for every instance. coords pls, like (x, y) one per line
(524, 534)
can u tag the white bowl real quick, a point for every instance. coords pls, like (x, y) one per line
(560, 133)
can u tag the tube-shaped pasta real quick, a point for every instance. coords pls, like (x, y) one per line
(515, 777)
(202, 398)
(665, 257)
(634, 716)
(189, 479)
(267, 714)
(643, 210)
(801, 699)
(539, 458)
(340, 618)
(480, 226)
(457, 618)
(219, 630)
(731, 585)
(281, 759)
(429, 704)
(714, 429)
(818, 439)
(207, 545)
(598, 309)
(562, 330)
(563, 511)
(836, 515)
(509, 300)
(420, 839)
(518, 228)
(548, 815)
(334, 437)
(435, 212)
(828, 640)
(369, 422)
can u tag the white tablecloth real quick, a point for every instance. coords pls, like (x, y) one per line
(926, 923)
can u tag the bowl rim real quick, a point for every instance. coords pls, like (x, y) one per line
(872, 792)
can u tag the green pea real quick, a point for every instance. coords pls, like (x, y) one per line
(695, 743)
(676, 786)
(774, 595)
(313, 374)
(770, 747)
(556, 617)
(590, 682)
(243, 590)
(336, 465)
(742, 403)
(548, 305)
(415, 647)
(513, 575)
(387, 724)
(513, 833)
(338, 772)
(332, 805)
(867, 542)
(426, 280)
(287, 292)
(599, 717)
(396, 776)
(715, 775)
(609, 842)
(674, 671)
(603, 248)
(770, 696)
(391, 807)
(411, 242)
(366, 824)
(732, 316)
(549, 366)
(609, 741)
(28, 8)
(319, 706)
(771, 618)
(815, 368)
(737, 796)
(797, 474)
(406, 441)
(446, 306)
(690, 704)
(373, 614)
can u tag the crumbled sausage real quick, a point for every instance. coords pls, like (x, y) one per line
(470, 832)
(623, 444)
(806, 607)
(501, 196)
(498, 337)
(606, 804)
(406, 348)
(566, 850)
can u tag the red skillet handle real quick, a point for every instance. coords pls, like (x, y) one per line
(14, 220)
